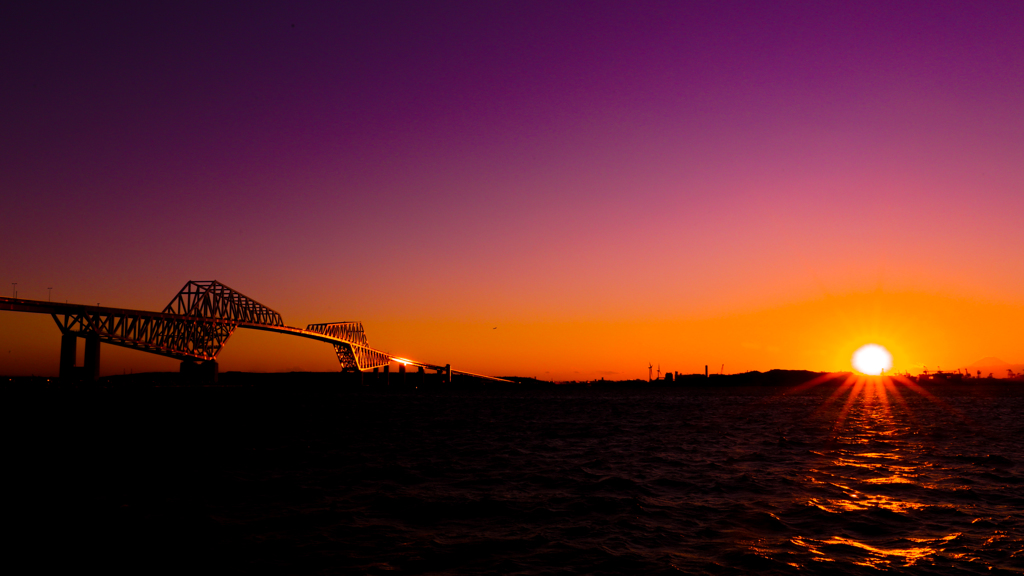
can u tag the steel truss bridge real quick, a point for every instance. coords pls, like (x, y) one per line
(194, 327)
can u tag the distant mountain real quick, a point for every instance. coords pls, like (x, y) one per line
(990, 362)
(994, 366)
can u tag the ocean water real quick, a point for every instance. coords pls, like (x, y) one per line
(830, 479)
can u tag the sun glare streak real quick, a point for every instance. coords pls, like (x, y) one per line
(894, 389)
(855, 391)
(832, 397)
(883, 395)
(936, 400)
(828, 377)
(884, 388)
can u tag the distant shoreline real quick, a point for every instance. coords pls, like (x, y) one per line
(771, 378)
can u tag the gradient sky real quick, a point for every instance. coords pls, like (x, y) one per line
(759, 184)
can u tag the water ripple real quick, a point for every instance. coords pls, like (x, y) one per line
(829, 479)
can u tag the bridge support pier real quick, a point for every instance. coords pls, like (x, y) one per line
(445, 374)
(210, 370)
(68, 351)
(387, 374)
(351, 377)
(92, 357)
(401, 374)
(200, 372)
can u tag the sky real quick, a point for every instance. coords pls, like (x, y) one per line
(567, 190)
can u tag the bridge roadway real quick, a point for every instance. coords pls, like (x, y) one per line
(70, 310)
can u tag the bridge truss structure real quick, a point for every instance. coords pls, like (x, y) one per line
(194, 327)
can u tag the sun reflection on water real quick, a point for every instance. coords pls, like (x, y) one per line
(875, 556)
(871, 456)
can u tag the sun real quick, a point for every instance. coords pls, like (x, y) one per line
(871, 359)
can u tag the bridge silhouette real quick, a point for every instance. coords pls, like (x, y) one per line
(194, 327)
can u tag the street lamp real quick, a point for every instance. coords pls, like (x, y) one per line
(49, 293)
(14, 290)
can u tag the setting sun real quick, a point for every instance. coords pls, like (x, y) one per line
(871, 359)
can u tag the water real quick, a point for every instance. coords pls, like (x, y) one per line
(583, 480)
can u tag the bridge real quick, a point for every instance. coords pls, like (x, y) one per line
(194, 327)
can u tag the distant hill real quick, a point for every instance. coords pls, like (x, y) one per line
(990, 361)
(994, 366)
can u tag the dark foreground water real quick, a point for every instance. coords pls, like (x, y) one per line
(589, 481)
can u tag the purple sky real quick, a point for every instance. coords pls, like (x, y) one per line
(521, 161)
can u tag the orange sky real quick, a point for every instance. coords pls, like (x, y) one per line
(820, 334)
(757, 184)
